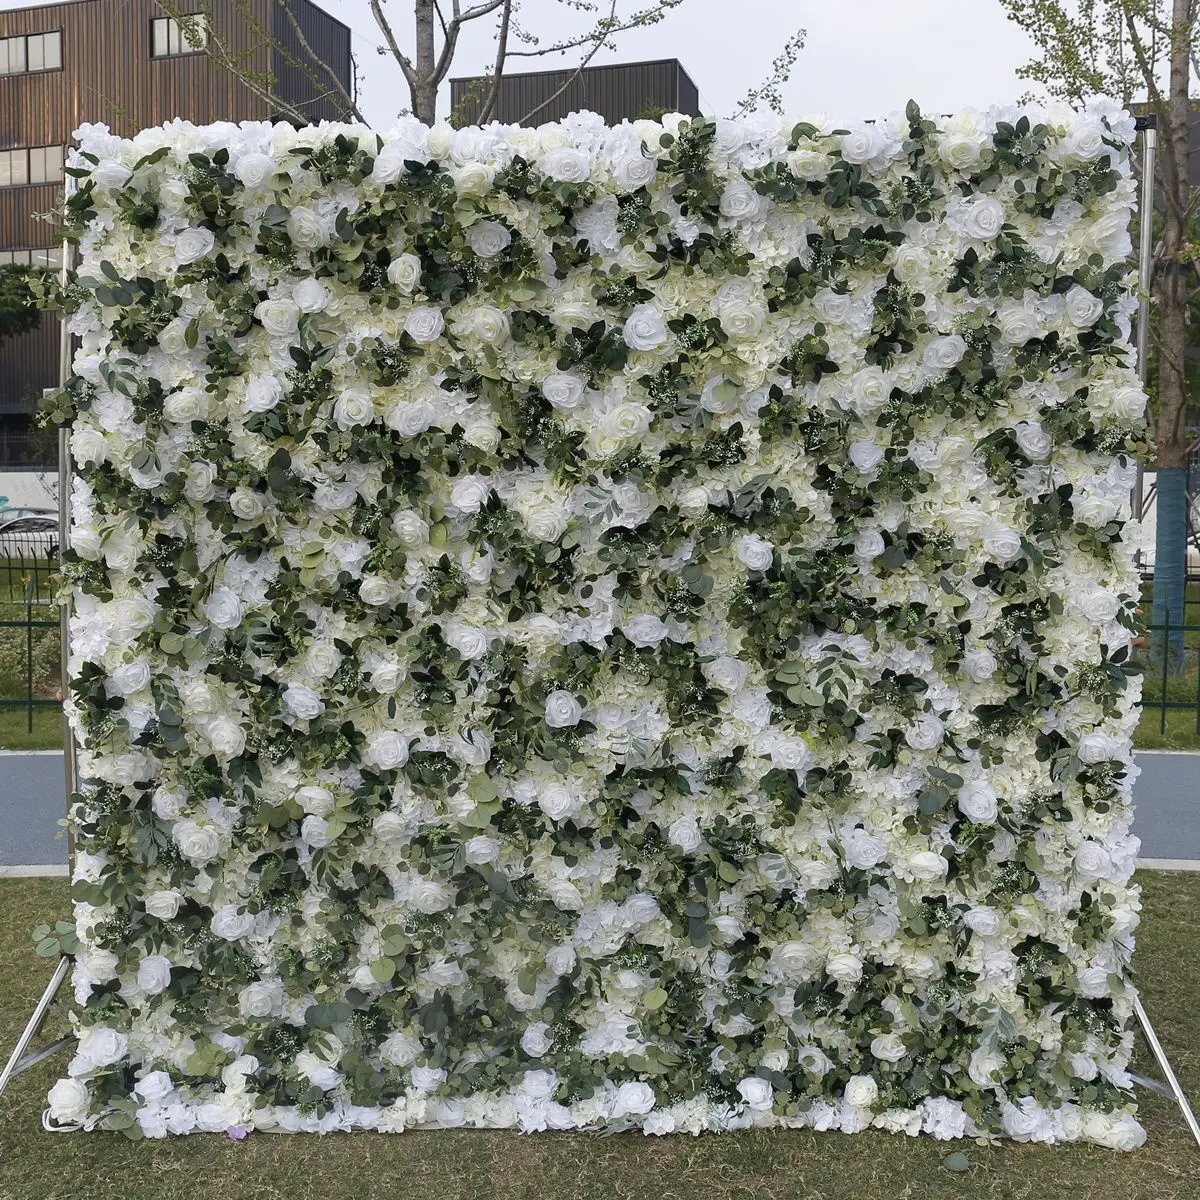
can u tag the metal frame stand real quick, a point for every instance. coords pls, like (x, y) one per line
(1147, 126)
(21, 1058)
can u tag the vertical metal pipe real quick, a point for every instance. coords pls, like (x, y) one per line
(1149, 129)
(70, 773)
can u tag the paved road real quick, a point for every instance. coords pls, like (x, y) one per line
(31, 801)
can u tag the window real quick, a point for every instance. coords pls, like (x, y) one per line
(46, 256)
(169, 37)
(36, 164)
(31, 52)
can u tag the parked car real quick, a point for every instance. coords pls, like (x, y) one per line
(29, 534)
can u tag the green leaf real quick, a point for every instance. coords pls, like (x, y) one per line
(957, 1162)
(382, 970)
(654, 998)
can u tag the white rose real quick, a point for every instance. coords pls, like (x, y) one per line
(482, 849)
(982, 920)
(246, 505)
(866, 455)
(944, 352)
(354, 407)
(633, 1099)
(977, 801)
(310, 296)
(193, 244)
(1100, 606)
(262, 998)
(306, 229)
(1082, 308)
(1034, 441)
(791, 754)
(927, 866)
(757, 1094)
(225, 736)
(1001, 543)
(471, 643)
(411, 419)
(400, 1049)
(1092, 861)
(1085, 143)
(861, 1091)
(983, 218)
(388, 750)
(223, 609)
(232, 924)
(755, 552)
(100, 1047)
(470, 493)
(869, 544)
(888, 1047)
(561, 959)
(558, 802)
(808, 164)
(404, 272)
(473, 178)
(626, 421)
(483, 435)
(489, 238)
(566, 164)
(374, 590)
(1115, 1131)
(985, 1064)
(279, 317)
(563, 390)
(562, 710)
(314, 832)
(739, 201)
(154, 974)
(870, 390)
(424, 324)
(536, 1039)
(634, 170)
(980, 664)
(302, 701)
(253, 170)
(130, 677)
(197, 843)
(684, 832)
(544, 520)
(316, 800)
(70, 1102)
(862, 144)
(644, 629)
(162, 904)
(263, 392)
(844, 967)
(186, 405)
(429, 896)
(645, 329)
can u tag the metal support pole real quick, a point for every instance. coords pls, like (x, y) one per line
(18, 1062)
(1148, 127)
(70, 765)
(1172, 1087)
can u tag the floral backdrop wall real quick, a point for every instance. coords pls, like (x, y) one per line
(605, 627)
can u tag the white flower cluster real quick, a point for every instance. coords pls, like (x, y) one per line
(605, 627)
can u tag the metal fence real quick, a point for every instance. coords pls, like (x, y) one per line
(30, 654)
(1171, 679)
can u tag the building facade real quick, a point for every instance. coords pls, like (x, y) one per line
(130, 65)
(619, 92)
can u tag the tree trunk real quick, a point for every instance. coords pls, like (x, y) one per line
(1170, 553)
(424, 91)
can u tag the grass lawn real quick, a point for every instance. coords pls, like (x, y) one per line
(471, 1165)
(47, 729)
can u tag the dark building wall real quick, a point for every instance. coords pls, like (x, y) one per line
(622, 91)
(304, 85)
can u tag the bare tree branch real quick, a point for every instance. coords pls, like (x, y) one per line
(329, 72)
(489, 105)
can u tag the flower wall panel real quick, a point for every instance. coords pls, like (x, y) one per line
(591, 627)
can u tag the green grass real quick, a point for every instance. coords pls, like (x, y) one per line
(47, 729)
(471, 1165)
